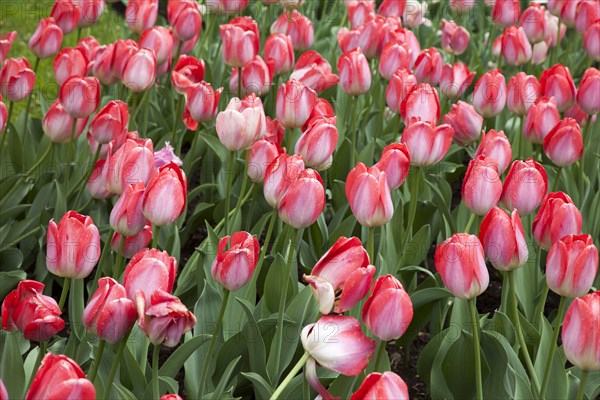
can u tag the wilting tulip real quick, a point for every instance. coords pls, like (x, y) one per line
(91, 11)
(489, 96)
(482, 187)
(422, 102)
(59, 377)
(523, 91)
(461, 263)
(227, 6)
(69, 62)
(314, 71)
(96, 186)
(465, 122)
(6, 41)
(342, 276)
(401, 83)
(47, 39)
(80, 96)
(27, 310)
(233, 267)
(516, 48)
(280, 174)
(242, 123)
(557, 82)
(67, 14)
(202, 101)
(540, 119)
(428, 66)
(141, 14)
(506, 12)
(317, 144)
(359, 11)
(588, 95)
(455, 79)
(16, 79)
(295, 102)
(369, 196)
(497, 146)
(110, 122)
(240, 41)
(572, 265)
(427, 143)
(525, 186)
(188, 71)
(533, 22)
(280, 49)
(185, 18)
(126, 215)
(148, 271)
(57, 124)
(395, 55)
(133, 244)
(164, 319)
(159, 40)
(580, 335)
(395, 162)
(388, 310)
(109, 314)
(591, 41)
(72, 246)
(133, 162)
(387, 385)
(298, 26)
(355, 74)
(455, 38)
(503, 239)
(303, 201)
(564, 143)
(257, 77)
(558, 217)
(165, 196)
(140, 71)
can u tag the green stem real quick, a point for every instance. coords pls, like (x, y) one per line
(65, 291)
(120, 259)
(557, 323)
(229, 173)
(541, 303)
(8, 118)
(239, 88)
(146, 100)
(470, 223)
(238, 204)
(213, 342)
(353, 104)
(556, 48)
(180, 105)
(70, 148)
(84, 179)
(105, 251)
(38, 361)
(115, 364)
(475, 322)
(155, 236)
(521, 137)
(97, 359)
(294, 371)
(133, 109)
(586, 145)
(371, 245)
(27, 107)
(263, 250)
(414, 197)
(40, 160)
(155, 388)
(380, 354)
(175, 59)
(582, 382)
(557, 179)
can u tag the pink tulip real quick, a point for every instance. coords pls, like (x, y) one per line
(295, 102)
(588, 95)
(165, 196)
(395, 55)
(422, 102)
(16, 79)
(202, 101)
(227, 6)
(103, 65)
(69, 62)
(188, 72)
(465, 122)
(298, 26)
(533, 21)
(140, 71)
(540, 119)
(455, 38)
(580, 335)
(110, 122)
(148, 271)
(126, 216)
(428, 66)
(369, 196)
(59, 377)
(489, 97)
(525, 186)
(587, 12)
(67, 14)
(314, 72)
(455, 80)
(503, 239)
(564, 143)
(240, 41)
(495, 145)
(427, 143)
(141, 14)
(3, 115)
(133, 244)
(185, 19)
(91, 11)
(366, 37)
(523, 91)
(317, 144)
(57, 124)
(6, 41)
(558, 217)
(401, 83)
(303, 200)
(395, 162)
(360, 11)
(355, 74)
(516, 48)
(506, 12)
(280, 49)
(591, 41)
(280, 174)
(133, 162)
(262, 154)
(257, 77)
(47, 39)
(123, 51)
(557, 82)
(391, 8)
(96, 185)
(385, 385)
(80, 96)
(89, 47)
(233, 268)
(159, 40)
(242, 123)
(482, 187)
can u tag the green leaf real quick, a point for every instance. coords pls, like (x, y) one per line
(256, 347)
(345, 229)
(11, 366)
(216, 146)
(223, 381)
(261, 387)
(558, 383)
(124, 393)
(273, 284)
(416, 250)
(175, 362)
(76, 307)
(9, 280)
(61, 202)
(429, 295)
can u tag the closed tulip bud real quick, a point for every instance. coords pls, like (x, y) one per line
(303, 201)
(233, 267)
(133, 244)
(369, 196)
(588, 95)
(164, 319)
(455, 80)
(558, 217)
(27, 310)
(525, 186)
(69, 62)
(428, 66)
(3, 115)
(427, 143)
(159, 40)
(516, 48)
(342, 276)
(6, 41)
(295, 102)
(591, 41)
(109, 314)
(540, 119)
(568, 12)
(506, 12)
(355, 74)
(489, 97)
(80, 96)
(461, 263)
(280, 49)
(242, 123)
(103, 65)
(67, 14)
(110, 122)
(133, 162)
(455, 38)
(385, 385)
(367, 37)
(16, 79)
(533, 21)
(503, 239)
(317, 144)
(587, 11)
(168, 183)
(564, 143)
(72, 246)
(298, 26)
(47, 39)
(580, 335)
(262, 154)
(557, 82)
(96, 185)
(280, 174)
(257, 77)
(141, 14)
(123, 51)
(465, 122)
(497, 146)
(59, 377)
(314, 72)
(395, 55)
(149, 270)
(140, 71)
(240, 41)
(188, 71)
(126, 216)
(359, 11)
(482, 187)
(553, 37)
(540, 52)
(202, 101)
(321, 109)
(57, 124)
(185, 18)
(228, 6)
(91, 11)
(422, 102)
(395, 162)
(523, 91)
(401, 83)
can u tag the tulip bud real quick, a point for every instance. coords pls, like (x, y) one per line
(369, 196)
(297, 26)
(303, 201)
(558, 217)
(141, 14)
(314, 71)
(280, 49)
(295, 102)
(6, 41)
(69, 62)
(228, 7)
(133, 162)
(47, 39)
(233, 268)
(67, 14)
(564, 143)
(591, 41)
(489, 96)
(427, 143)
(148, 271)
(126, 216)
(321, 109)
(516, 48)
(580, 335)
(497, 146)
(461, 264)
(109, 314)
(455, 80)
(140, 71)
(123, 51)
(568, 12)
(257, 77)
(588, 95)
(540, 119)
(395, 55)
(89, 47)
(27, 310)
(503, 239)
(587, 11)
(428, 66)
(525, 186)
(202, 101)
(57, 124)
(401, 83)
(103, 64)
(359, 11)
(385, 386)
(168, 183)
(557, 82)
(455, 38)
(280, 174)
(96, 186)
(16, 79)
(91, 11)
(133, 244)
(355, 74)
(533, 21)
(317, 144)
(80, 96)
(159, 40)
(367, 37)
(422, 102)
(523, 91)
(262, 154)
(185, 18)
(482, 187)
(110, 122)
(59, 377)
(240, 41)
(395, 162)
(506, 12)
(242, 123)
(3, 392)
(465, 122)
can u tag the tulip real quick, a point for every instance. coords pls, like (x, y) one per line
(123, 51)
(516, 48)
(262, 154)
(318, 142)
(148, 271)
(67, 14)
(465, 122)
(369, 196)
(395, 33)
(342, 276)
(133, 244)
(540, 119)
(96, 186)
(109, 314)
(110, 122)
(141, 14)
(227, 6)
(133, 162)
(202, 101)
(185, 19)
(427, 143)
(557, 82)
(16, 79)
(588, 95)
(495, 145)
(523, 91)
(80, 96)
(359, 11)
(103, 65)
(242, 123)
(159, 40)
(321, 109)
(27, 310)
(388, 310)
(533, 22)
(564, 143)
(170, 184)
(489, 96)
(69, 62)
(580, 335)
(395, 55)
(57, 124)
(568, 11)
(482, 187)
(257, 77)
(140, 71)
(395, 162)
(506, 12)
(91, 11)
(6, 41)
(587, 12)
(280, 174)
(303, 201)
(525, 186)
(455, 38)
(165, 156)
(558, 217)
(89, 47)
(387, 385)
(401, 83)
(461, 264)
(591, 41)
(389, 8)
(297, 26)
(552, 35)
(455, 79)
(280, 49)
(3, 392)
(47, 39)
(572, 265)
(188, 71)
(295, 102)
(422, 102)
(3, 115)
(233, 268)
(59, 377)
(503, 239)
(171, 397)
(240, 41)
(355, 74)
(126, 216)
(314, 72)
(367, 37)
(576, 113)
(428, 66)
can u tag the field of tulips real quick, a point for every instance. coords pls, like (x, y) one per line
(287, 199)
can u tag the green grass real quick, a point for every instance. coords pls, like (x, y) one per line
(23, 16)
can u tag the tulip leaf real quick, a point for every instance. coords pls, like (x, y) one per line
(10, 279)
(76, 308)
(131, 367)
(61, 202)
(215, 145)
(345, 229)
(124, 393)
(175, 362)
(273, 284)
(15, 149)
(261, 386)
(416, 250)
(557, 384)
(225, 377)
(11, 366)
(256, 349)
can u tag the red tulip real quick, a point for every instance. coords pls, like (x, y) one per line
(133, 244)
(580, 335)
(461, 264)
(395, 55)
(67, 14)
(6, 41)
(314, 72)
(188, 71)
(395, 162)
(428, 66)
(558, 217)
(506, 12)
(422, 102)
(109, 313)
(227, 6)
(497, 146)
(280, 174)
(123, 51)
(103, 65)
(391, 8)
(59, 377)
(242, 123)
(69, 62)
(455, 79)
(540, 119)
(369, 196)
(525, 186)
(140, 71)
(489, 96)
(80, 96)
(298, 26)
(257, 77)
(503, 239)
(516, 48)
(572, 265)
(564, 143)
(388, 310)
(57, 124)
(295, 102)
(47, 39)
(262, 154)
(159, 40)
(533, 21)
(366, 37)
(318, 142)
(427, 143)
(16, 79)
(303, 201)
(401, 83)
(465, 122)
(126, 216)
(482, 187)
(185, 18)
(141, 14)
(280, 49)
(355, 74)
(89, 47)
(202, 101)
(233, 268)
(557, 82)
(133, 162)
(110, 122)
(164, 319)
(455, 38)
(96, 185)
(587, 12)
(91, 11)
(321, 109)
(240, 41)
(576, 113)
(588, 95)
(360, 11)
(591, 41)
(148, 271)
(35, 315)
(168, 184)
(382, 386)
(567, 12)
(523, 91)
